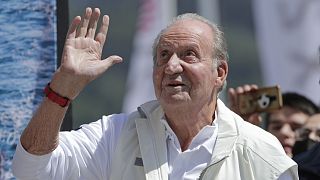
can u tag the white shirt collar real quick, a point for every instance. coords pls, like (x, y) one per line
(205, 138)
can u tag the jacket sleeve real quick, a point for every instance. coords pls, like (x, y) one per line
(85, 153)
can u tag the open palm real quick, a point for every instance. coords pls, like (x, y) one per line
(81, 60)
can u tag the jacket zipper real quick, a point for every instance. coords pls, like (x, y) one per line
(205, 169)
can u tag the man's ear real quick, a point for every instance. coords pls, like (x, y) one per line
(222, 70)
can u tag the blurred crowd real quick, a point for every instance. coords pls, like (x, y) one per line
(296, 125)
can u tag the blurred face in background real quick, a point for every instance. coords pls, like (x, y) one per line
(311, 130)
(308, 135)
(284, 123)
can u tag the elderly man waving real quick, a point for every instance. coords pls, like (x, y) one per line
(187, 133)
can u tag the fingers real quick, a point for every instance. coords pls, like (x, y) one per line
(93, 23)
(82, 31)
(86, 26)
(246, 88)
(254, 87)
(101, 36)
(73, 27)
(233, 95)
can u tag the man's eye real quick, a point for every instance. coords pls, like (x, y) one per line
(163, 57)
(276, 127)
(164, 54)
(190, 53)
(190, 57)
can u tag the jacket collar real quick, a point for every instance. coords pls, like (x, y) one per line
(228, 130)
(151, 109)
(228, 133)
(152, 141)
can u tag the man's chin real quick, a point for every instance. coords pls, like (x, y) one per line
(175, 99)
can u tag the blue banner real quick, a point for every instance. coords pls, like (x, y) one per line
(27, 61)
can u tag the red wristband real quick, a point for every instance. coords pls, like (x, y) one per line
(55, 97)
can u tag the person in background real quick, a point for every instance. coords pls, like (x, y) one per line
(308, 135)
(285, 122)
(282, 123)
(187, 133)
(308, 149)
(311, 130)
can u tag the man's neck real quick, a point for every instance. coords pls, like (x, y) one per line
(186, 123)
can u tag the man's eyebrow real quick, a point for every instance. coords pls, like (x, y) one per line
(164, 45)
(297, 124)
(193, 46)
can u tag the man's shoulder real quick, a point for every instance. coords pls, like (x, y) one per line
(249, 137)
(246, 131)
(255, 133)
(261, 148)
(256, 138)
(257, 143)
(114, 119)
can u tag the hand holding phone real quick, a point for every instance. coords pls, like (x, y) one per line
(260, 100)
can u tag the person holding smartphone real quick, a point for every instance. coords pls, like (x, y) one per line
(283, 122)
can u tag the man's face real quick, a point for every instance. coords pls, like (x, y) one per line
(183, 71)
(283, 124)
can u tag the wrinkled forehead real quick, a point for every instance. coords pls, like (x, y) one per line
(189, 26)
(193, 32)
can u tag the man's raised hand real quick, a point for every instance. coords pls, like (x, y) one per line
(81, 60)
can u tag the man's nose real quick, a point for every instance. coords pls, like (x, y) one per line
(287, 131)
(173, 66)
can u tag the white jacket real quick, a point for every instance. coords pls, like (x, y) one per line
(242, 150)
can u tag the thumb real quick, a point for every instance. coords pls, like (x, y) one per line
(108, 62)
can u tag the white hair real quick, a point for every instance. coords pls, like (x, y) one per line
(219, 43)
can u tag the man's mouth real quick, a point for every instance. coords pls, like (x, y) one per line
(175, 84)
(287, 148)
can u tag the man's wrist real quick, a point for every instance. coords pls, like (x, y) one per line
(64, 85)
(56, 97)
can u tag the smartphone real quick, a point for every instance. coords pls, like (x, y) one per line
(263, 99)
